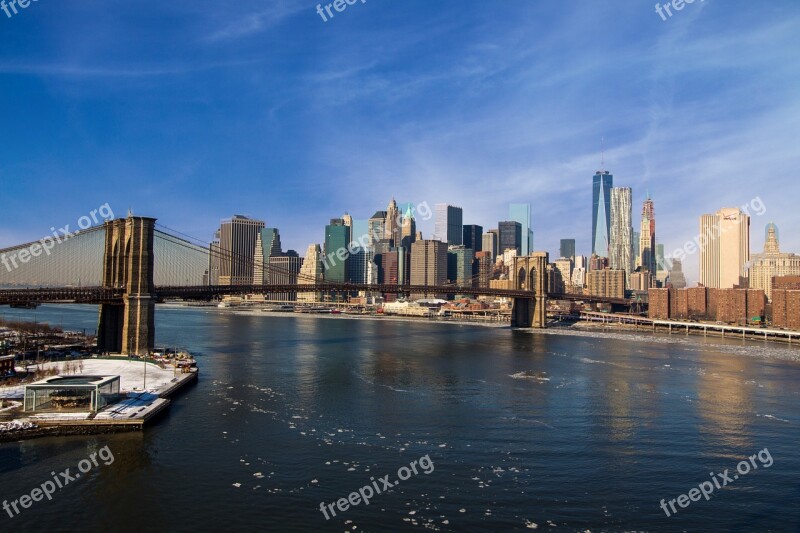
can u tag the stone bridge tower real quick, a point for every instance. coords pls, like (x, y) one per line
(530, 273)
(128, 328)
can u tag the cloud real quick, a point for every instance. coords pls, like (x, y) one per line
(253, 23)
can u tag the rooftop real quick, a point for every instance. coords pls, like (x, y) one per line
(74, 381)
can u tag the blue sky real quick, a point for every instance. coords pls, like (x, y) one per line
(191, 111)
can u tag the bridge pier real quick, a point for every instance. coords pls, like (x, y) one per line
(530, 273)
(128, 265)
(522, 313)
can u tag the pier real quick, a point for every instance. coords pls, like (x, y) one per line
(680, 327)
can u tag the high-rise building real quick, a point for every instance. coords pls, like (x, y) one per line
(336, 260)
(662, 268)
(772, 263)
(597, 262)
(661, 261)
(724, 248)
(237, 246)
(677, 279)
(214, 260)
(311, 273)
(388, 273)
(564, 266)
(284, 270)
(522, 213)
(510, 236)
(567, 248)
(428, 265)
(377, 227)
(459, 265)
(641, 280)
(602, 183)
(621, 236)
(473, 237)
(485, 263)
(448, 224)
(647, 237)
(404, 263)
(268, 244)
(361, 266)
(393, 223)
(579, 269)
(606, 283)
(490, 241)
(635, 247)
(408, 228)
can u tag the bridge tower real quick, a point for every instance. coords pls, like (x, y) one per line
(128, 328)
(530, 273)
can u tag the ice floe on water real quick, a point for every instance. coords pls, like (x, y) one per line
(532, 375)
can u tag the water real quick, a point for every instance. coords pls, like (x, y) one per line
(583, 431)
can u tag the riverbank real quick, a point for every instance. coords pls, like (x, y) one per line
(246, 311)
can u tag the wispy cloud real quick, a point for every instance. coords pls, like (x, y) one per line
(252, 23)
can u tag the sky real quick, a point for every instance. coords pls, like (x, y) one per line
(191, 111)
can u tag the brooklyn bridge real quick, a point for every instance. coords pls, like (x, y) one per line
(126, 266)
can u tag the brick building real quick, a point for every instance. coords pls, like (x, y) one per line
(785, 308)
(658, 304)
(731, 306)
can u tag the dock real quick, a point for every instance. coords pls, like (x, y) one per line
(132, 413)
(696, 328)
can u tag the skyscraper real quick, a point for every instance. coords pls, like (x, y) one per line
(676, 278)
(268, 244)
(602, 183)
(459, 265)
(621, 234)
(214, 260)
(772, 263)
(428, 265)
(362, 267)
(377, 227)
(237, 247)
(283, 270)
(473, 237)
(490, 241)
(336, 261)
(647, 237)
(393, 223)
(310, 273)
(408, 228)
(484, 261)
(568, 249)
(510, 236)
(448, 224)
(522, 213)
(724, 248)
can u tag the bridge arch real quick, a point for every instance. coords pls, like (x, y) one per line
(521, 279)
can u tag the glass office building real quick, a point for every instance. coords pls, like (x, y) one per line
(337, 241)
(522, 213)
(601, 212)
(448, 226)
(567, 249)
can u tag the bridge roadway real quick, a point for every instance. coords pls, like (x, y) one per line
(101, 295)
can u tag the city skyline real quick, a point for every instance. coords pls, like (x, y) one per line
(136, 134)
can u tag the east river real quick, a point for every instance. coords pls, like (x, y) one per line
(554, 431)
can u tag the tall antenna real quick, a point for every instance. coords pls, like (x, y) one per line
(603, 153)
